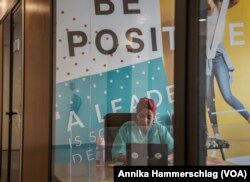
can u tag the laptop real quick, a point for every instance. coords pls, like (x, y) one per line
(143, 154)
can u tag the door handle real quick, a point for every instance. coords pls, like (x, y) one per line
(11, 113)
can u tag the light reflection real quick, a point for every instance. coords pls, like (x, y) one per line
(141, 20)
(2, 8)
(38, 7)
(202, 20)
(4, 5)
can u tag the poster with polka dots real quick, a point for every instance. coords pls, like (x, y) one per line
(108, 56)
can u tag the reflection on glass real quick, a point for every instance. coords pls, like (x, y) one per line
(4, 6)
(76, 101)
(16, 96)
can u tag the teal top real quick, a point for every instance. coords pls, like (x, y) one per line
(130, 133)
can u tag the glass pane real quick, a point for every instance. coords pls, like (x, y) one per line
(16, 95)
(109, 55)
(6, 97)
(227, 70)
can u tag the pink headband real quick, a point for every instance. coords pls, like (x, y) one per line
(146, 103)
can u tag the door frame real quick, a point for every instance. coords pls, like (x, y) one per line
(38, 90)
(189, 75)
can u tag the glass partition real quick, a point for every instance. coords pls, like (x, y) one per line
(11, 125)
(109, 56)
(227, 69)
(6, 98)
(17, 96)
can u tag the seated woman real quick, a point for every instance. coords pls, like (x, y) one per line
(143, 130)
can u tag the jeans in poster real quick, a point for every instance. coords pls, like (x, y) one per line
(221, 73)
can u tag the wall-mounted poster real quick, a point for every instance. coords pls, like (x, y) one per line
(109, 54)
(227, 73)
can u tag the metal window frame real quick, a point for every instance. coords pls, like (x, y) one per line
(189, 72)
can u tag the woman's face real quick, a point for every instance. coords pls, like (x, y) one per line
(145, 118)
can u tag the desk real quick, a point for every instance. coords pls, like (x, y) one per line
(102, 173)
(82, 172)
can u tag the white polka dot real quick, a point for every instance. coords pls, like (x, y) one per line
(100, 74)
(117, 71)
(143, 73)
(127, 76)
(66, 84)
(137, 82)
(105, 92)
(152, 78)
(158, 68)
(88, 97)
(121, 87)
(133, 66)
(94, 85)
(60, 95)
(71, 102)
(149, 62)
(111, 81)
(83, 79)
(77, 90)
